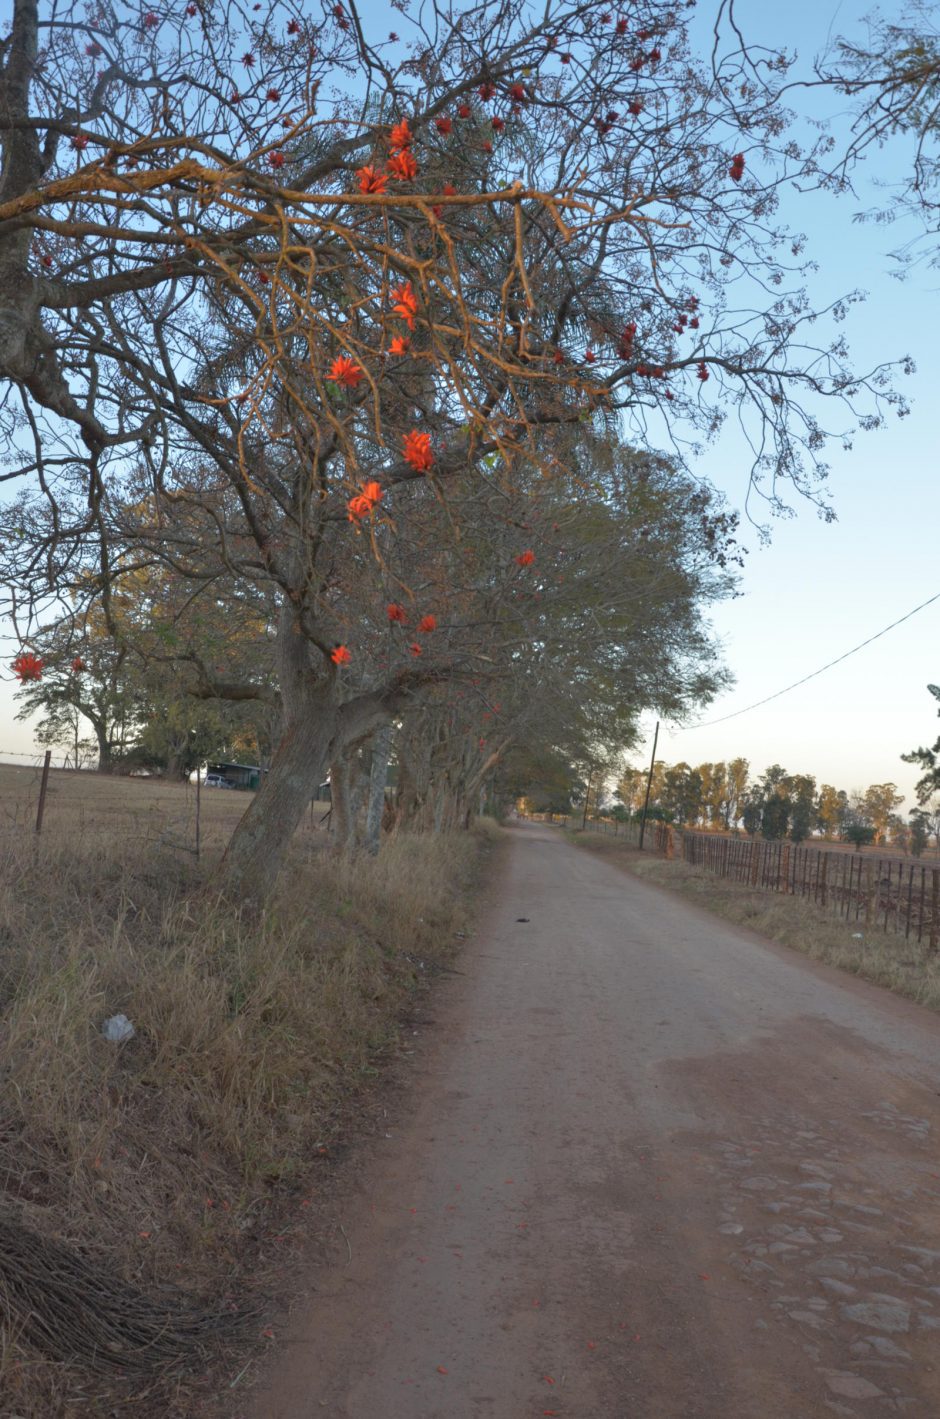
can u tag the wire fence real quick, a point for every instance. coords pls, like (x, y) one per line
(884, 893)
(888, 894)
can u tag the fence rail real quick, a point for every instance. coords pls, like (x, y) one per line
(885, 894)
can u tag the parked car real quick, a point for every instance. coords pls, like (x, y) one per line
(216, 781)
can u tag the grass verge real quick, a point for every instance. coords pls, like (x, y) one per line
(171, 1161)
(881, 957)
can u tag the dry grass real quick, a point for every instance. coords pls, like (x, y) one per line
(883, 958)
(174, 1158)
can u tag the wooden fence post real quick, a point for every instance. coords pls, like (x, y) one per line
(44, 785)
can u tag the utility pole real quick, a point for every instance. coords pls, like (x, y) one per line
(649, 785)
(587, 799)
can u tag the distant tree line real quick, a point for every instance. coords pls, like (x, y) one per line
(724, 797)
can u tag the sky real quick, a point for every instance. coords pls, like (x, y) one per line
(819, 589)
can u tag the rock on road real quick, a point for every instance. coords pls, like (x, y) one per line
(650, 1167)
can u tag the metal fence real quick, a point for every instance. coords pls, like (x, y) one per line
(883, 893)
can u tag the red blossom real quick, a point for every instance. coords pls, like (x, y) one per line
(340, 655)
(702, 371)
(443, 125)
(345, 371)
(79, 142)
(93, 50)
(635, 106)
(517, 92)
(403, 166)
(558, 357)
(274, 96)
(151, 20)
(736, 170)
(276, 159)
(78, 665)
(399, 345)
(27, 666)
(293, 27)
(396, 613)
(365, 501)
(498, 125)
(450, 190)
(370, 180)
(418, 451)
(405, 304)
(487, 146)
(415, 648)
(621, 26)
(248, 59)
(590, 356)
(526, 558)
(486, 91)
(400, 136)
(47, 261)
(625, 343)
(426, 625)
(566, 59)
(464, 111)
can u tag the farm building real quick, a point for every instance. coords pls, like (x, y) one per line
(238, 775)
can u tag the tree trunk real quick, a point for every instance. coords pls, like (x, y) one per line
(309, 724)
(378, 777)
(104, 748)
(341, 809)
(316, 728)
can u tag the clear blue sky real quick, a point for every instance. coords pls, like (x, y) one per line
(820, 589)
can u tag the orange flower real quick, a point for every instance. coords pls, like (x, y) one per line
(365, 500)
(394, 612)
(418, 452)
(27, 666)
(403, 166)
(345, 371)
(415, 648)
(406, 304)
(370, 180)
(399, 345)
(525, 559)
(400, 137)
(426, 625)
(340, 655)
(450, 190)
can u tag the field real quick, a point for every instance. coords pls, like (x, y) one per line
(167, 1178)
(147, 811)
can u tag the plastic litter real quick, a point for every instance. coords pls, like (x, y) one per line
(118, 1029)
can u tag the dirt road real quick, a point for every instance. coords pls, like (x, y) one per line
(651, 1168)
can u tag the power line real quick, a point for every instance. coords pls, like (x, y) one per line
(796, 684)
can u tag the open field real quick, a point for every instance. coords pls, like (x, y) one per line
(148, 811)
(798, 922)
(180, 1168)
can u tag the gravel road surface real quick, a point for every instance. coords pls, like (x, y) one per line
(648, 1166)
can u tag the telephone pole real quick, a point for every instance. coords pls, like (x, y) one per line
(649, 785)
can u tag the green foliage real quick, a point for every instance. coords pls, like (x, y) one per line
(860, 834)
